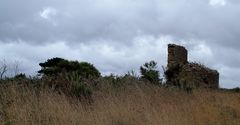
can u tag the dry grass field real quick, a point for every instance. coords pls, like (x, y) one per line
(133, 104)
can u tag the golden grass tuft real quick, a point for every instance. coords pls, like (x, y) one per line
(136, 104)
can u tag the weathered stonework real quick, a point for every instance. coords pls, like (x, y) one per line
(177, 55)
(189, 74)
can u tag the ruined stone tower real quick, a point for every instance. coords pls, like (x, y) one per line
(177, 55)
(181, 72)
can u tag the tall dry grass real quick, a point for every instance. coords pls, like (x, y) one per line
(135, 104)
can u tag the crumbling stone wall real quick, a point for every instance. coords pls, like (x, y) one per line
(198, 76)
(189, 74)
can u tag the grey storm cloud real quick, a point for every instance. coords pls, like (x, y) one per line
(120, 35)
(90, 20)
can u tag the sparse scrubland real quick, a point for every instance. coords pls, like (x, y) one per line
(70, 99)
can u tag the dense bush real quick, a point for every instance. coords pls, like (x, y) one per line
(237, 89)
(78, 86)
(20, 76)
(171, 73)
(149, 71)
(56, 66)
(70, 77)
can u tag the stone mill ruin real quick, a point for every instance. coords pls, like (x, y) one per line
(183, 73)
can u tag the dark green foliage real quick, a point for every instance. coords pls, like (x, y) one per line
(149, 72)
(171, 72)
(71, 77)
(171, 75)
(78, 85)
(52, 62)
(56, 66)
(20, 76)
(236, 89)
(113, 79)
(82, 89)
(87, 70)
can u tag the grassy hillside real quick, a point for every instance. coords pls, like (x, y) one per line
(129, 102)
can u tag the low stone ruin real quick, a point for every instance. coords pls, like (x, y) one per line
(183, 73)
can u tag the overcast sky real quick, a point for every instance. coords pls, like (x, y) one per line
(120, 35)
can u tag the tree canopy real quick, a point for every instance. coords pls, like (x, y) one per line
(149, 71)
(55, 66)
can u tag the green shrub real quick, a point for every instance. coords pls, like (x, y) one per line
(82, 89)
(71, 77)
(56, 66)
(172, 71)
(171, 75)
(236, 89)
(20, 76)
(78, 85)
(149, 72)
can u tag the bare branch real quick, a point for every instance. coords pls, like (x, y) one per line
(3, 69)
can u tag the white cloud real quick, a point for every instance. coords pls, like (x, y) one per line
(48, 12)
(217, 2)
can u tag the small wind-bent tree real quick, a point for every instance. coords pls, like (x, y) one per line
(76, 74)
(56, 66)
(149, 71)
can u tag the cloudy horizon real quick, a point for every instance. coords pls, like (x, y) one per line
(120, 35)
